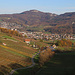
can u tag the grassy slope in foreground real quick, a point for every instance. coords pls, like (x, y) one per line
(13, 54)
(29, 71)
(60, 64)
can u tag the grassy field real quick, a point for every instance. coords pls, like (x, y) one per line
(8, 37)
(15, 54)
(29, 71)
(60, 64)
(41, 44)
(73, 41)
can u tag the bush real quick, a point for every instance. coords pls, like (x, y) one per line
(64, 42)
(45, 56)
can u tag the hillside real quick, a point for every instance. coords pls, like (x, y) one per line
(16, 54)
(34, 19)
(65, 23)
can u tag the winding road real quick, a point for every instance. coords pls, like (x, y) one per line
(33, 64)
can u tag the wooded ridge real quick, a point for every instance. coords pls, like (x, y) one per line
(63, 23)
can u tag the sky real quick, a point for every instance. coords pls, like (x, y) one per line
(50, 6)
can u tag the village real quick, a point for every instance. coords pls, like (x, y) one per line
(30, 36)
(43, 36)
(36, 35)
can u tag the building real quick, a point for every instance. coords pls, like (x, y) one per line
(27, 41)
(4, 44)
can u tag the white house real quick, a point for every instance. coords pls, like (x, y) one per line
(4, 44)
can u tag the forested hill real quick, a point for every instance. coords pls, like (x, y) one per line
(32, 17)
(64, 23)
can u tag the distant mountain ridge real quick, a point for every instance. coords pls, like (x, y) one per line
(50, 22)
(31, 17)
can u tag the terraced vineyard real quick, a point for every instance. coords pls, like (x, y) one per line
(15, 54)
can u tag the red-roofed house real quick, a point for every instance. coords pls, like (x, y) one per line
(27, 41)
(4, 44)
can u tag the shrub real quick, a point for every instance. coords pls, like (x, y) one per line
(45, 56)
(64, 42)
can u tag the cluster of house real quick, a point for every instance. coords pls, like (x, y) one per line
(35, 35)
(40, 35)
(37, 47)
(10, 25)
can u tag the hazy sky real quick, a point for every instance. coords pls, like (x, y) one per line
(52, 6)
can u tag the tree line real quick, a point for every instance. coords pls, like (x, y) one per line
(10, 32)
(64, 42)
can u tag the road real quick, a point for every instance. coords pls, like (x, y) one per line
(33, 64)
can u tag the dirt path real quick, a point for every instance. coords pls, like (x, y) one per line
(33, 64)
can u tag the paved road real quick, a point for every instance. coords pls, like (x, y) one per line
(33, 63)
